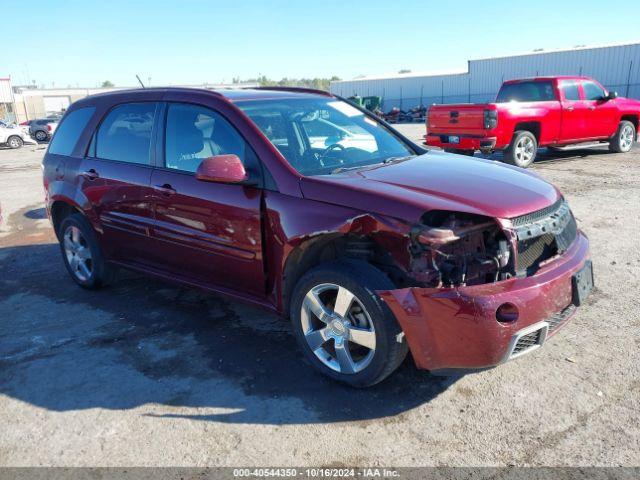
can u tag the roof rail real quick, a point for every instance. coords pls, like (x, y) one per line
(293, 89)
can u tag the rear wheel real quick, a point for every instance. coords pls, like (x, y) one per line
(523, 149)
(343, 327)
(623, 140)
(14, 142)
(82, 254)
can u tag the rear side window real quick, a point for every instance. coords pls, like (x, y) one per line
(592, 91)
(570, 90)
(68, 132)
(195, 133)
(125, 133)
(526, 92)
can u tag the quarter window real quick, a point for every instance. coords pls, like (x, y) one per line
(592, 91)
(68, 133)
(195, 133)
(539, 91)
(125, 133)
(571, 91)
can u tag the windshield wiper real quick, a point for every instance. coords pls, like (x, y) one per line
(344, 169)
(397, 159)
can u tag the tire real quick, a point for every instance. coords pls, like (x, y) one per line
(82, 254)
(347, 361)
(41, 135)
(15, 142)
(457, 151)
(624, 137)
(523, 149)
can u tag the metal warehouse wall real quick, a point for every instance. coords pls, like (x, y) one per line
(616, 67)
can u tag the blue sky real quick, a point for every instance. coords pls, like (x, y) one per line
(69, 43)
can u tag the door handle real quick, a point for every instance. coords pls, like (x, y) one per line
(592, 107)
(90, 174)
(569, 109)
(165, 189)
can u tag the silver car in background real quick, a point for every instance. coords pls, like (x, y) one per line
(13, 136)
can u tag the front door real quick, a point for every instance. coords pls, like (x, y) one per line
(115, 179)
(206, 232)
(602, 115)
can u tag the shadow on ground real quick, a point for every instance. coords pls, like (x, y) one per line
(144, 342)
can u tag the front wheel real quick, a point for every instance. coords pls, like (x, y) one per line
(14, 142)
(343, 327)
(41, 136)
(623, 140)
(523, 149)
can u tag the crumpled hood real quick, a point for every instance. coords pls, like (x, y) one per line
(435, 181)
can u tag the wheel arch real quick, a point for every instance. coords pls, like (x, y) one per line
(532, 126)
(633, 118)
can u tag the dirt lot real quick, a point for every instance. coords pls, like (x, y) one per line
(144, 373)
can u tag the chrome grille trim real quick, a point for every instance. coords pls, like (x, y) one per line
(527, 340)
(558, 319)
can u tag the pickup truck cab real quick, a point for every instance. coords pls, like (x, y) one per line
(305, 205)
(537, 112)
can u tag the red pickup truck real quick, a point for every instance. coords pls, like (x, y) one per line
(532, 113)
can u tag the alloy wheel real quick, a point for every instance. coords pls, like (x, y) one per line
(41, 136)
(626, 138)
(14, 142)
(78, 253)
(338, 328)
(525, 150)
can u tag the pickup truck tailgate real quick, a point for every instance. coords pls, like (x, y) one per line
(464, 119)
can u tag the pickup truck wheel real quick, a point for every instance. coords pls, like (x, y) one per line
(343, 327)
(82, 254)
(523, 149)
(623, 140)
(14, 142)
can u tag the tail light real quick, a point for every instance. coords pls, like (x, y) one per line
(48, 127)
(490, 119)
(24, 124)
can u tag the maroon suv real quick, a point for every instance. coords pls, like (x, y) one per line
(299, 202)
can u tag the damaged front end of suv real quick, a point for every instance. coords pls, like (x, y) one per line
(488, 289)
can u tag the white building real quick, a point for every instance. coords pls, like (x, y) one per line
(617, 67)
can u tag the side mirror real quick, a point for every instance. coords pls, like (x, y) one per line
(222, 169)
(611, 96)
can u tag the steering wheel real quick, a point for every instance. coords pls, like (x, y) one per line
(329, 149)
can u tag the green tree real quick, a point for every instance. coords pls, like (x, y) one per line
(107, 84)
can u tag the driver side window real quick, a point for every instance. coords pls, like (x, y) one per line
(194, 133)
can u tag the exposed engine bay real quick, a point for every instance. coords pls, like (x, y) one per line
(451, 249)
(457, 249)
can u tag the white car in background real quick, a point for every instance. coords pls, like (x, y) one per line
(13, 136)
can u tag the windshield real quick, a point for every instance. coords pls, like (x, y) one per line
(320, 136)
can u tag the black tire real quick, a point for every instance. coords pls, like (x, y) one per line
(361, 279)
(14, 142)
(618, 143)
(457, 151)
(41, 135)
(101, 273)
(522, 139)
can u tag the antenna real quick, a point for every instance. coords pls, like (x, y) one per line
(140, 81)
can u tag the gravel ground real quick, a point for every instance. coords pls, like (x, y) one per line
(146, 373)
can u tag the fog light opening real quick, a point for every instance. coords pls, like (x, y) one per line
(507, 312)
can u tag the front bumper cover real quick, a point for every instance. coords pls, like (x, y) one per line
(456, 328)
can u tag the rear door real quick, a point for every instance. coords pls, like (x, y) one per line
(209, 233)
(574, 112)
(602, 115)
(115, 178)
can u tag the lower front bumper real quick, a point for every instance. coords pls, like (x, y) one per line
(465, 143)
(456, 328)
